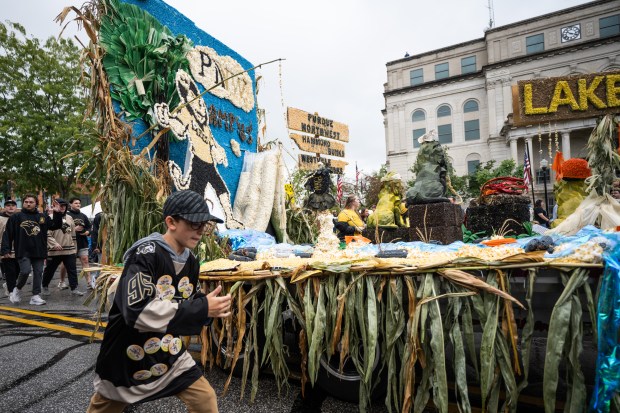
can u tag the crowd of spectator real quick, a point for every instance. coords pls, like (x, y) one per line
(35, 242)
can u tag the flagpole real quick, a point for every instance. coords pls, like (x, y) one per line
(527, 151)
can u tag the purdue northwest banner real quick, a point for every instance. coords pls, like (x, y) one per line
(158, 63)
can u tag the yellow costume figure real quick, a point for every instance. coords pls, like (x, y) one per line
(570, 190)
(389, 213)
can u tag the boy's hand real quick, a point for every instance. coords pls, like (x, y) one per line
(218, 306)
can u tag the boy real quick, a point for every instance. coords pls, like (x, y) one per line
(158, 299)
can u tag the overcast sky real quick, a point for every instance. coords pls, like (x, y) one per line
(335, 51)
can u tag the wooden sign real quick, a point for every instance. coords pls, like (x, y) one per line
(315, 145)
(311, 162)
(314, 124)
(561, 98)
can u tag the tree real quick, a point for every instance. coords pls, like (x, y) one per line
(42, 113)
(372, 186)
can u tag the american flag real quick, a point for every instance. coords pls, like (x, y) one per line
(357, 174)
(339, 188)
(527, 171)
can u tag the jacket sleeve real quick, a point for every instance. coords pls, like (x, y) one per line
(87, 224)
(94, 234)
(8, 236)
(51, 241)
(140, 305)
(55, 221)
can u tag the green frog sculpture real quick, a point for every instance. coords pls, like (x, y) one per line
(430, 169)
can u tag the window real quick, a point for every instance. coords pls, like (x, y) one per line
(441, 71)
(468, 64)
(416, 134)
(535, 44)
(472, 130)
(418, 115)
(443, 110)
(472, 166)
(470, 106)
(540, 176)
(416, 77)
(609, 26)
(444, 132)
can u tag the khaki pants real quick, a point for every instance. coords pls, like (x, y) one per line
(199, 398)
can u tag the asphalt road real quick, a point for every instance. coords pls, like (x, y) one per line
(47, 365)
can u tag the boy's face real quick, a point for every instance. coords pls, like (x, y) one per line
(76, 205)
(189, 234)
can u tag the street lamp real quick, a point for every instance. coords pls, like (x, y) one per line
(544, 166)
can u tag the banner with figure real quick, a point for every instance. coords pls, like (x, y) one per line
(164, 72)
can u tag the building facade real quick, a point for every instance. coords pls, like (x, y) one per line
(464, 91)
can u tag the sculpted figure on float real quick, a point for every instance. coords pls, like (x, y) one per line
(430, 170)
(388, 213)
(319, 185)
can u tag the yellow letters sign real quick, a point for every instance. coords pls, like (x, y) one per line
(560, 98)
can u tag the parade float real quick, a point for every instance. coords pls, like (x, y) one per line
(452, 326)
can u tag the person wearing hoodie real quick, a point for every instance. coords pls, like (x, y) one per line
(26, 234)
(81, 235)
(61, 249)
(9, 265)
(158, 299)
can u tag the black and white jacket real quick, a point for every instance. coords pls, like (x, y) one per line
(157, 300)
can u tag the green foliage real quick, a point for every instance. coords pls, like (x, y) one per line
(300, 222)
(373, 186)
(142, 59)
(528, 230)
(469, 236)
(42, 106)
(212, 248)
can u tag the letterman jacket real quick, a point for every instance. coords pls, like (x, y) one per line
(62, 237)
(142, 357)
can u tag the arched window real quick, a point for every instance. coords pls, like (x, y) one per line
(470, 106)
(473, 160)
(443, 110)
(418, 115)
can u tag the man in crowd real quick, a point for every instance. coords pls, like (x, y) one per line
(9, 265)
(26, 234)
(95, 255)
(157, 300)
(540, 214)
(61, 249)
(82, 232)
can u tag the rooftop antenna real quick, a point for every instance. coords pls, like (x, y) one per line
(491, 15)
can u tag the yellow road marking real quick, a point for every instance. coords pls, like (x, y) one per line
(70, 330)
(55, 316)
